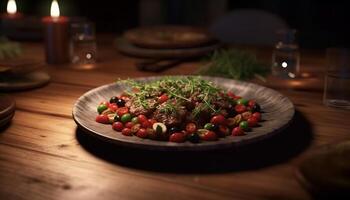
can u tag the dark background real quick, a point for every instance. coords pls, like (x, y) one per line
(320, 24)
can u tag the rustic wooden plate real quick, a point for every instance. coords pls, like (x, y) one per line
(278, 113)
(168, 37)
(127, 48)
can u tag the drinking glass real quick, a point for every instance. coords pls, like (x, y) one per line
(83, 43)
(337, 80)
(285, 56)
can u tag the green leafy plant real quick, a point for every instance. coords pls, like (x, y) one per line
(235, 64)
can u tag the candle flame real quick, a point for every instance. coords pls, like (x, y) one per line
(55, 10)
(11, 7)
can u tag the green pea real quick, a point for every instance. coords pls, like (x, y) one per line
(242, 101)
(208, 126)
(135, 120)
(126, 118)
(244, 125)
(101, 108)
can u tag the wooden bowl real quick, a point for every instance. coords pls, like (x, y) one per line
(278, 112)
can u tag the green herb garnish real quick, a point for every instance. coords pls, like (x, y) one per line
(181, 92)
(235, 64)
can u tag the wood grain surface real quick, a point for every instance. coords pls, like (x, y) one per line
(44, 156)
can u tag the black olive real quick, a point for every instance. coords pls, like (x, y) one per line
(194, 138)
(113, 99)
(116, 118)
(256, 108)
(174, 129)
(215, 128)
(120, 102)
(232, 112)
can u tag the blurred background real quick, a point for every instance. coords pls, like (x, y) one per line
(319, 24)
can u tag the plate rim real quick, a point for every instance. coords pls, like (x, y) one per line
(212, 145)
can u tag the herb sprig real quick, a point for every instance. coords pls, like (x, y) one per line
(181, 90)
(235, 64)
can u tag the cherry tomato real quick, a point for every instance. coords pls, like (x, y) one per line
(113, 107)
(251, 103)
(129, 125)
(252, 122)
(177, 137)
(142, 118)
(118, 126)
(102, 119)
(122, 110)
(237, 131)
(237, 97)
(240, 108)
(191, 128)
(209, 136)
(218, 119)
(124, 97)
(126, 132)
(223, 131)
(231, 94)
(146, 124)
(163, 98)
(142, 133)
(257, 115)
(152, 121)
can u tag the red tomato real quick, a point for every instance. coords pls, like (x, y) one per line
(191, 128)
(163, 98)
(240, 108)
(237, 131)
(142, 118)
(118, 126)
(122, 110)
(152, 121)
(237, 97)
(209, 136)
(102, 119)
(251, 103)
(252, 122)
(177, 137)
(257, 115)
(124, 97)
(146, 124)
(126, 132)
(113, 107)
(142, 133)
(223, 131)
(129, 124)
(218, 119)
(231, 94)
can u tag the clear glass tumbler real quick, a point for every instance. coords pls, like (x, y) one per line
(83, 43)
(286, 56)
(337, 80)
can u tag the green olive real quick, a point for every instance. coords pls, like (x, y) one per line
(135, 120)
(126, 118)
(208, 126)
(242, 101)
(101, 108)
(244, 125)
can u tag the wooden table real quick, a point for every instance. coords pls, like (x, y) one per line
(44, 156)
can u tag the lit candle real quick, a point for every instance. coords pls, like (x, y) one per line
(56, 36)
(12, 10)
